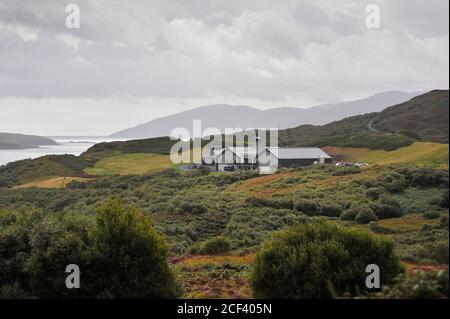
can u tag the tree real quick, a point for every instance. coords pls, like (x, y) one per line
(318, 260)
(130, 259)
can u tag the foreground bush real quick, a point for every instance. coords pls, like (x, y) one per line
(420, 285)
(120, 255)
(320, 260)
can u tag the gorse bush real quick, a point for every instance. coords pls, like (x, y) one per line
(444, 200)
(387, 207)
(420, 285)
(214, 246)
(320, 260)
(374, 193)
(366, 216)
(120, 255)
(308, 207)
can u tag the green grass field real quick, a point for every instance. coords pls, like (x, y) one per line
(130, 164)
(420, 153)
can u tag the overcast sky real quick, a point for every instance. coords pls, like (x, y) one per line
(132, 61)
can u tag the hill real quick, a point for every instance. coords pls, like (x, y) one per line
(422, 118)
(223, 116)
(419, 153)
(130, 157)
(10, 141)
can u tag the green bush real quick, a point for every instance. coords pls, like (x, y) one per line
(320, 260)
(307, 207)
(420, 285)
(431, 215)
(349, 214)
(330, 210)
(444, 200)
(387, 207)
(131, 257)
(216, 245)
(365, 216)
(120, 255)
(374, 193)
(435, 251)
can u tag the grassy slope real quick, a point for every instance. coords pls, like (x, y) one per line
(130, 164)
(425, 116)
(420, 153)
(56, 182)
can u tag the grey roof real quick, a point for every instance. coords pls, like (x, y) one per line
(299, 152)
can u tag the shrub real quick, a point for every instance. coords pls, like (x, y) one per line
(130, 258)
(420, 285)
(444, 200)
(431, 215)
(272, 203)
(349, 214)
(330, 210)
(394, 182)
(308, 207)
(216, 245)
(435, 251)
(387, 207)
(376, 228)
(120, 256)
(320, 260)
(365, 216)
(374, 193)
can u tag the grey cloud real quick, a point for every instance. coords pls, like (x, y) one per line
(260, 50)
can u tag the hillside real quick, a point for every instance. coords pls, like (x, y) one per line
(159, 145)
(130, 157)
(422, 118)
(10, 141)
(223, 116)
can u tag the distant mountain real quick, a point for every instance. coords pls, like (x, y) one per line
(10, 141)
(223, 116)
(424, 117)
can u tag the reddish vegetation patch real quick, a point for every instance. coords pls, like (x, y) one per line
(223, 276)
(259, 181)
(411, 268)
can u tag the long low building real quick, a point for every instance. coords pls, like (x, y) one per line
(269, 158)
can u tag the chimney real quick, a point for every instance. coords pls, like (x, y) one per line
(257, 148)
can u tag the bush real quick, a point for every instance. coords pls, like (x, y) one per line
(420, 285)
(216, 245)
(431, 215)
(444, 200)
(365, 216)
(387, 207)
(330, 210)
(374, 193)
(320, 260)
(120, 255)
(272, 203)
(131, 257)
(435, 251)
(376, 228)
(349, 214)
(394, 182)
(308, 207)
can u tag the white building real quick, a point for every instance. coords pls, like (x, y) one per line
(267, 159)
